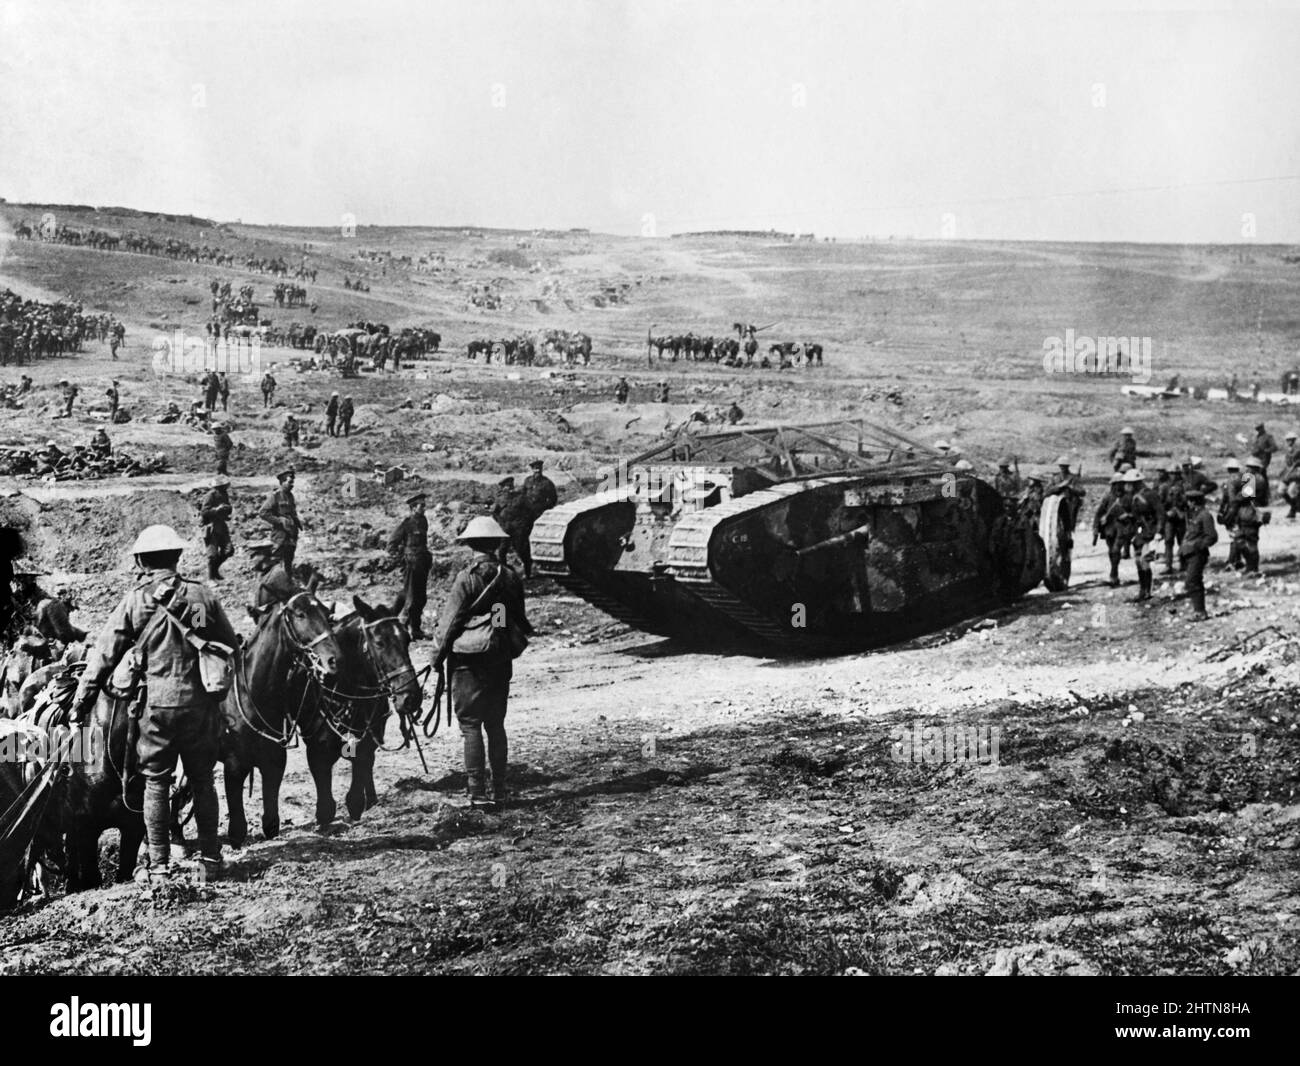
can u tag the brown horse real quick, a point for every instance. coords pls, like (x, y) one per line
(277, 681)
(377, 679)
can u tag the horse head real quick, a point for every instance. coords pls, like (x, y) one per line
(386, 643)
(306, 623)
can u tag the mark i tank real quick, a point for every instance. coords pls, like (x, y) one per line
(817, 537)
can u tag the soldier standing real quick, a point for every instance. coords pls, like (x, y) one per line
(1291, 475)
(621, 391)
(69, 396)
(480, 679)
(215, 512)
(211, 387)
(280, 511)
(1245, 535)
(1228, 502)
(1126, 450)
(332, 414)
(1106, 524)
(223, 391)
(1007, 481)
(1146, 517)
(290, 431)
(268, 388)
(346, 411)
(1263, 448)
(1201, 536)
(734, 413)
(1066, 485)
(224, 446)
(113, 400)
(539, 490)
(53, 623)
(181, 718)
(411, 538)
(1257, 476)
(1175, 505)
(512, 512)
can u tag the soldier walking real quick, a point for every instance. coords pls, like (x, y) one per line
(223, 391)
(1201, 536)
(181, 719)
(1106, 524)
(411, 539)
(474, 641)
(1125, 451)
(280, 511)
(215, 512)
(268, 388)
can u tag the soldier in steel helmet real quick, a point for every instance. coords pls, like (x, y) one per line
(1106, 524)
(180, 719)
(1200, 537)
(487, 595)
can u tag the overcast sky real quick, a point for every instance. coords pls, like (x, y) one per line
(1065, 121)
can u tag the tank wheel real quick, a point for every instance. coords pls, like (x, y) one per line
(1057, 535)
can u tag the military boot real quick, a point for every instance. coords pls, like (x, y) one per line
(1114, 575)
(1169, 558)
(1144, 586)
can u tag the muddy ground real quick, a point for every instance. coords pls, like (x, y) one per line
(686, 812)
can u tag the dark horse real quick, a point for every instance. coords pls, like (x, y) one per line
(278, 678)
(377, 678)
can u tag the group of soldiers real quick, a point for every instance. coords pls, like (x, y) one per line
(32, 329)
(338, 415)
(517, 509)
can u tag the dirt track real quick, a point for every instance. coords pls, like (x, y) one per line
(688, 812)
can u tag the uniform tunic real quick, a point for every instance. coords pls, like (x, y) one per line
(411, 538)
(281, 511)
(216, 525)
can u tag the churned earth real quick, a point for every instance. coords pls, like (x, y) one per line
(1128, 803)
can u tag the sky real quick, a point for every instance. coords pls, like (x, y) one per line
(1106, 121)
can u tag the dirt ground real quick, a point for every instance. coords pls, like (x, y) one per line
(1131, 804)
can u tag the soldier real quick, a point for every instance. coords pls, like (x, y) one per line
(661, 392)
(1194, 476)
(1174, 502)
(69, 396)
(1145, 519)
(1228, 503)
(1066, 485)
(621, 390)
(512, 512)
(280, 511)
(539, 490)
(291, 431)
(211, 388)
(223, 391)
(1245, 535)
(276, 583)
(113, 400)
(100, 446)
(1007, 481)
(480, 680)
(114, 342)
(224, 446)
(1126, 450)
(1256, 475)
(268, 388)
(734, 413)
(332, 414)
(1263, 448)
(1106, 524)
(172, 414)
(1291, 476)
(411, 539)
(51, 620)
(25, 385)
(215, 512)
(1201, 536)
(346, 411)
(181, 718)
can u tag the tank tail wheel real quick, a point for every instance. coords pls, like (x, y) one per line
(1054, 528)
